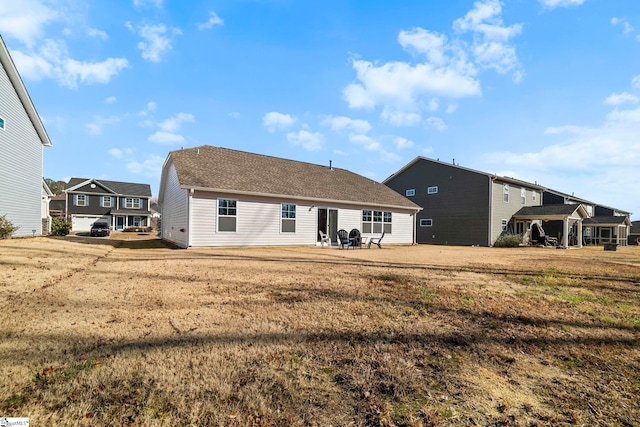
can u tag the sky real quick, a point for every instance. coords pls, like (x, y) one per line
(546, 91)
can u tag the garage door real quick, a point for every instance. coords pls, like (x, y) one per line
(84, 222)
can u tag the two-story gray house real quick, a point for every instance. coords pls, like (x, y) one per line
(22, 138)
(119, 204)
(462, 206)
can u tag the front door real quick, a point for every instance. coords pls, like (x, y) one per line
(119, 223)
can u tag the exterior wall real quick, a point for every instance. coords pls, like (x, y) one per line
(93, 207)
(20, 163)
(603, 211)
(174, 210)
(258, 222)
(459, 210)
(501, 210)
(144, 203)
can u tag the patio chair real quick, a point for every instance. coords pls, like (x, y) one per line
(324, 239)
(343, 239)
(375, 240)
(355, 238)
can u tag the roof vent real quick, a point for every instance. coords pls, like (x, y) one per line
(330, 165)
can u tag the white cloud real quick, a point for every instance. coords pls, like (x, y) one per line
(116, 152)
(95, 127)
(277, 121)
(451, 108)
(162, 137)
(635, 82)
(214, 19)
(92, 32)
(307, 140)
(173, 124)
(552, 4)
(626, 26)
(141, 3)
(111, 100)
(400, 118)
(345, 124)
(26, 21)
(402, 143)
(151, 167)
(53, 61)
(157, 40)
(365, 141)
(436, 123)
(149, 109)
(621, 98)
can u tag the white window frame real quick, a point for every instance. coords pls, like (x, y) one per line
(289, 215)
(372, 217)
(505, 193)
(410, 192)
(135, 201)
(85, 200)
(228, 214)
(426, 222)
(432, 190)
(103, 201)
(523, 196)
(504, 223)
(137, 221)
(3, 123)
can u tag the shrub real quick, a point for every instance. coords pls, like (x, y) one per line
(6, 227)
(60, 227)
(508, 241)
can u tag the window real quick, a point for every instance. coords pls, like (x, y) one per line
(533, 195)
(505, 193)
(81, 200)
(432, 190)
(137, 221)
(426, 222)
(107, 202)
(411, 192)
(2, 123)
(288, 218)
(132, 203)
(504, 224)
(376, 221)
(523, 196)
(227, 212)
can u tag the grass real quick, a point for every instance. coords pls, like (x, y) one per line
(139, 334)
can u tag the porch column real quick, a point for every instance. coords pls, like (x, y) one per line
(579, 236)
(565, 233)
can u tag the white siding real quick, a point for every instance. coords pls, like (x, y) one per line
(20, 163)
(502, 210)
(174, 209)
(258, 222)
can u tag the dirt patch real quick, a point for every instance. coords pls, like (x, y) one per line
(133, 333)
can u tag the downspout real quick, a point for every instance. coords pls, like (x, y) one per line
(189, 213)
(490, 211)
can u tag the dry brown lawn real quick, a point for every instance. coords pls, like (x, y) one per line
(104, 332)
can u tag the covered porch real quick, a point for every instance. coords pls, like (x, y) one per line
(122, 219)
(602, 230)
(571, 216)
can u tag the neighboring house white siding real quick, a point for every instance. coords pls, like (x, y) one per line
(20, 163)
(174, 210)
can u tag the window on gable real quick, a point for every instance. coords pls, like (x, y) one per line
(107, 202)
(227, 212)
(2, 123)
(132, 203)
(81, 200)
(411, 192)
(288, 218)
(426, 222)
(432, 190)
(505, 193)
(376, 221)
(523, 196)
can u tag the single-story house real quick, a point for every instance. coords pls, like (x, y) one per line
(214, 196)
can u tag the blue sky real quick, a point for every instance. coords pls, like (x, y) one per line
(546, 91)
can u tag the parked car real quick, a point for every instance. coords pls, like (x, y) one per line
(100, 229)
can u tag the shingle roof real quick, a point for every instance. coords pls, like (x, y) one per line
(223, 169)
(635, 227)
(122, 188)
(547, 210)
(606, 220)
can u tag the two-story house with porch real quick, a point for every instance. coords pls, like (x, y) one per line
(120, 204)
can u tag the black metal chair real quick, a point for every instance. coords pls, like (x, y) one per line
(343, 239)
(355, 238)
(376, 240)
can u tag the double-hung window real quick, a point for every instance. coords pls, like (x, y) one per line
(227, 214)
(505, 193)
(376, 221)
(288, 218)
(523, 196)
(107, 202)
(81, 200)
(132, 203)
